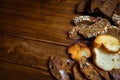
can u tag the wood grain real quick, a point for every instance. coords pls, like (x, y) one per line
(30, 32)
(29, 53)
(41, 20)
(10, 71)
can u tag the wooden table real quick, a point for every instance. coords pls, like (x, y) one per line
(30, 32)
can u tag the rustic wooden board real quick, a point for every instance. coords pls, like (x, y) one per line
(29, 53)
(41, 20)
(10, 71)
(30, 32)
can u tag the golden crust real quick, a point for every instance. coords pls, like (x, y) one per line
(79, 50)
(102, 42)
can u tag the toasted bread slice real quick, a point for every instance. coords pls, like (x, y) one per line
(78, 75)
(104, 74)
(105, 60)
(107, 42)
(88, 70)
(79, 50)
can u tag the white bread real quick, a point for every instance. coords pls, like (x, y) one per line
(107, 42)
(105, 60)
(79, 50)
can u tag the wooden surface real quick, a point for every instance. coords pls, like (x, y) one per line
(30, 32)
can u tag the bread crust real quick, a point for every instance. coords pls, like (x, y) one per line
(78, 74)
(106, 61)
(78, 50)
(103, 73)
(88, 70)
(100, 42)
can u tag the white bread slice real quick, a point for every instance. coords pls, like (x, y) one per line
(107, 42)
(105, 60)
(78, 50)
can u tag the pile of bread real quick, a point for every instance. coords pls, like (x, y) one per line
(99, 59)
(104, 52)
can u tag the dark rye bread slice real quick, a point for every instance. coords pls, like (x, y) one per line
(107, 8)
(117, 9)
(95, 4)
(82, 6)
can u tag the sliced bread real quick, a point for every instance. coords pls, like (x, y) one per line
(105, 60)
(107, 42)
(78, 50)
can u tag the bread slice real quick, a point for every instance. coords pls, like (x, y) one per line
(107, 42)
(78, 50)
(114, 31)
(88, 70)
(105, 60)
(78, 75)
(115, 73)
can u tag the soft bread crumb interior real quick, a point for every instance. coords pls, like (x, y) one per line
(105, 60)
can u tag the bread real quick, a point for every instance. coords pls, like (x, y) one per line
(95, 4)
(107, 42)
(103, 46)
(115, 74)
(107, 8)
(78, 50)
(104, 74)
(88, 70)
(78, 74)
(55, 66)
(114, 31)
(106, 61)
(99, 27)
